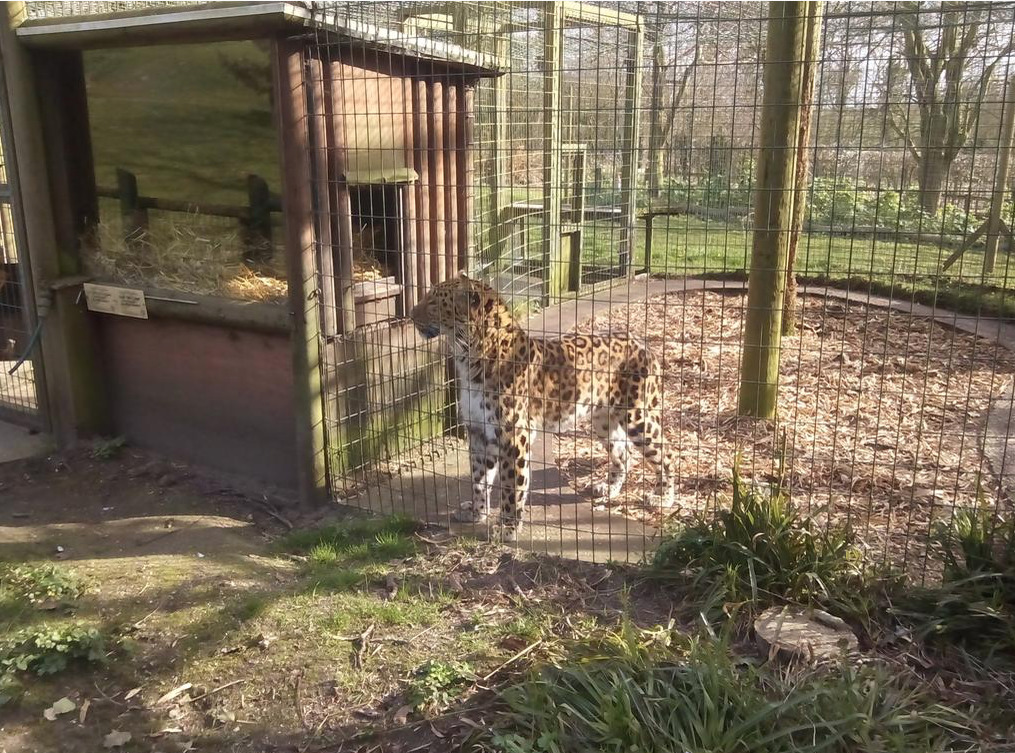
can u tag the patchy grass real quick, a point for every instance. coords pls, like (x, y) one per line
(638, 691)
(362, 634)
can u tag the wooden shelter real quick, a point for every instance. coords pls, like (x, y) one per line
(374, 136)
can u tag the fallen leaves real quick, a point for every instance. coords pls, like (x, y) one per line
(116, 739)
(177, 691)
(868, 399)
(63, 706)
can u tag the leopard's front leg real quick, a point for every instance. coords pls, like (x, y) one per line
(483, 460)
(514, 477)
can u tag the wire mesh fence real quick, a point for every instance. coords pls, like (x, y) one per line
(18, 389)
(597, 166)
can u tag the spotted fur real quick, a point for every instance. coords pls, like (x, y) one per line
(510, 385)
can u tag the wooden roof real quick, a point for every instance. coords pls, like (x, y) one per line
(179, 23)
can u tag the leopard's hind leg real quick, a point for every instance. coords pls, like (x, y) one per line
(610, 428)
(645, 431)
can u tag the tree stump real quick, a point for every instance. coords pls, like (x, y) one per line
(808, 634)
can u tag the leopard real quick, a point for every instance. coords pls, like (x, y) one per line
(511, 384)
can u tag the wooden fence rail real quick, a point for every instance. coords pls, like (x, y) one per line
(254, 218)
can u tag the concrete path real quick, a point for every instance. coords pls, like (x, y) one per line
(17, 443)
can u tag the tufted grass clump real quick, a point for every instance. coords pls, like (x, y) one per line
(974, 606)
(761, 551)
(651, 693)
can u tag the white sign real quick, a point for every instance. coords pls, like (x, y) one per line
(107, 299)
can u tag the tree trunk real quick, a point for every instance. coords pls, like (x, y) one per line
(933, 171)
(655, 135)
(810, 62)
(773, 206)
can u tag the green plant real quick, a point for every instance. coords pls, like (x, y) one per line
(40, 583)
(637, 692)
(47, 650)
(974, 606)
(436, 683)
(11, 689)
(761, 550)
(107, 449)
(365, 538)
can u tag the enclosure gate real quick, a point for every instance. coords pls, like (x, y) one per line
(20, 359)
(390, 171)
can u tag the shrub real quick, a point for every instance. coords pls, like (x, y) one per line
(50, 649)
(637, 694)
(436, 683)
(974, 607)
(761, 550)
(39, 583)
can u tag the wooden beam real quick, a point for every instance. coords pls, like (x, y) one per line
(812, 55)
(600, 15)
(631, 142)
(298, 210)
(773, 206)
(164, 25)
(335, 204)
(553, 52)
(51, 156)
(499, 229)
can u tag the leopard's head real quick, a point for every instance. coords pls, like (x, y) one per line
(459, 306)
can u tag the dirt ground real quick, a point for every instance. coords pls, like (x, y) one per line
(188, 580)
(881, 416)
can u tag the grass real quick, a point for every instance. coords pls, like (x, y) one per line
(637, 691)
(973, 609)
(352, 560)
(689, 246)
(760, 551)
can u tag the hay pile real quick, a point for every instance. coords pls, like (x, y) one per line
(881, 415)
(179, 256)
(184, 256)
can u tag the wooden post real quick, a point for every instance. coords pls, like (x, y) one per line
(553, 51)
(810, 63)
(994, 221)
(466, 175)
(773, 212)
(500, 229)
(52, 158)
(574, 267)
(648, 243)
(297, 207)
(631, 143)
(329, 169)
(133, 218)
(257, 226)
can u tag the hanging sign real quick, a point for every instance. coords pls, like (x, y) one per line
(109, 299)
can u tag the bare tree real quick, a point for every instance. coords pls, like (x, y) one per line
(951, 51)
(667, 56)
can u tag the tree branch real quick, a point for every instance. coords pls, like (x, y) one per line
(903, 134)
